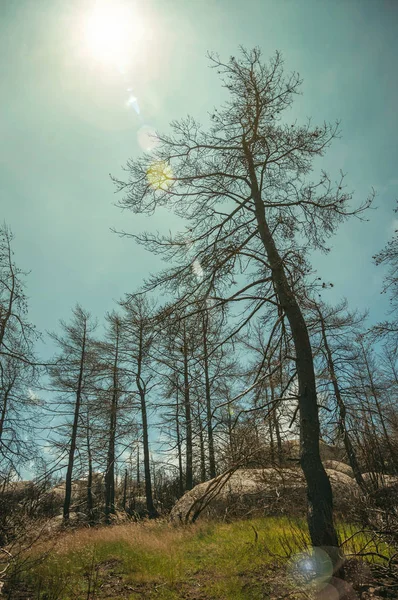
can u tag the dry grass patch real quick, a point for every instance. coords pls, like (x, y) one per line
(150, 535)
(234, 561)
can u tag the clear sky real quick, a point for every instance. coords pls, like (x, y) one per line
(66, 123)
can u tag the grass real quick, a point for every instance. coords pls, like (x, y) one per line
(207, 561)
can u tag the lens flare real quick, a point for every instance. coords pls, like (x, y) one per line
(132, 101)
(197, 269)
(313, 568)
(160, 175)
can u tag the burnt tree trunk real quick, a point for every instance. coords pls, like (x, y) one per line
(319, 492)
(152, 512)
(202, 448)
(179, 449)
(90, 503)
(209, 414)
(110, 469)
(375, 395)
(188, 418)
(72, 447)
(352, 457)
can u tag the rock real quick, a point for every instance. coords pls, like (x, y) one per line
(291, 449)
(339, 466)
(269, 491)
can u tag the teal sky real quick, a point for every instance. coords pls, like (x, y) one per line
(65, 125)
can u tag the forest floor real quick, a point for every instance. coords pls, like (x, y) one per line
(245, 560)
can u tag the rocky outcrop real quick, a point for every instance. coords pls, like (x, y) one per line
(337, 465)
(328, 452)
(262, 491)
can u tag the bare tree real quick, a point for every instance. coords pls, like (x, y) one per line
(337, 328)
(389, 257)
(18, 367)
(137, 338)
(242, 187)
(70, 375)
(114, 391)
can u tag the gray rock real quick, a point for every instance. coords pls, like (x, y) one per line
(258, 491)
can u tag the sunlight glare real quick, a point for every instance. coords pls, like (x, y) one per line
(111, 32)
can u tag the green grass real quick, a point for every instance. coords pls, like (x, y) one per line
(235, 561)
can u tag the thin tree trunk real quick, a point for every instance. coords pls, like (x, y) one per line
(268, 421)
(179, 452)
(278, 436)
(319, 492)
(380, 412)
(352, 458)
(230, 435)
(72, 447)
(275, 422)
(4, 408)
(188, 419)
(7, 314)
(152, 512)
(138, 467)
(209, 415)
(90, 503)
(202, 448)
(110, 470)
(125, 490)
(271, 440)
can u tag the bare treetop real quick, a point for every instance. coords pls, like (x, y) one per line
(203, 175)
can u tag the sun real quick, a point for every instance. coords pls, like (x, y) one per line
(111, 32)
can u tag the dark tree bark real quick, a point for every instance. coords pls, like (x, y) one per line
(274, 421)
(6, 393)
(124, 500)
(351, 454)
(375, 394)
(72, 374)
(319, 491)
(18, 366)
(188, 416)
(138, 337)
(209, 412)
(201, 445)
(138, 467)
(90, 501)
(72, 447)
(141, 386)
(179, 446)
(111, 455)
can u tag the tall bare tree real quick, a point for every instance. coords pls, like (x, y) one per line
(137, 339)
(337, 329)
(388, 257)
(111, 393)
(70, 376)
(241, 185)
(18, 367)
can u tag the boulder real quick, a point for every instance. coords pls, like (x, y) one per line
(291, 450)
(263, 491)
(337, 465)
